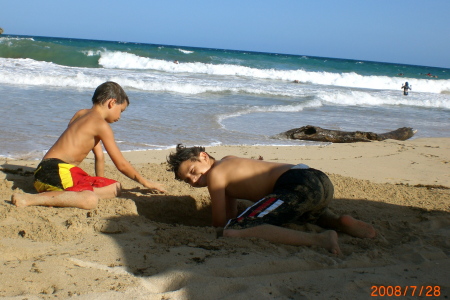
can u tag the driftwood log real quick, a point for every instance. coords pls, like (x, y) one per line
(314, 133)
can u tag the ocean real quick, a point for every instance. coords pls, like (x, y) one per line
(208, 97)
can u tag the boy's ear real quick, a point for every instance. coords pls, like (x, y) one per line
(111, 102)
(203, 156)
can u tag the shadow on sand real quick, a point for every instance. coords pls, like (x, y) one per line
(22, 177)
(174, 249)
(166, 244)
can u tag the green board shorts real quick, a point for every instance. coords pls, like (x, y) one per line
(300, 195)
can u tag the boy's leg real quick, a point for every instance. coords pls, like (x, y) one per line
(83, 199)
(109, 191)
(346, 224)
(281, 235)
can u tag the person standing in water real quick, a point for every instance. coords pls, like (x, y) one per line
(405, 88)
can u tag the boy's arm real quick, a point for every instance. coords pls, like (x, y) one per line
(219, 206)
(107, 138)
(99, 160)
(219, 209)
(231, 204)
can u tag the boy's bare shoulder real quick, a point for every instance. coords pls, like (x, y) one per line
(79, 114)
(241, 165)
(230, 163)
(231, 159)
(229, 156)
(82, 112)
(224, 165)
(90, 117)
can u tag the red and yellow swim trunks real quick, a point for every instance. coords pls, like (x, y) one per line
(53, 174)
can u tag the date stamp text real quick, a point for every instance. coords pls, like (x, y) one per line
(403, 291)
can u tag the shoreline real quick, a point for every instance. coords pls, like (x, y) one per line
(419, 161)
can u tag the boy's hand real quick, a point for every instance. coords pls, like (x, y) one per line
(154, 187)
(219, 232)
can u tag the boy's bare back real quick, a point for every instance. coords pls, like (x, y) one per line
(245, 178)
(85, 130)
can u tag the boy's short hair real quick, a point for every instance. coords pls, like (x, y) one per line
(109, 90)
(182, 154)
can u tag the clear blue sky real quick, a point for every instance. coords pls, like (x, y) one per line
(412, 32)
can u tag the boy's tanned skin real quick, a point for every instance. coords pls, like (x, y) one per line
(239, 178)
(85, 131)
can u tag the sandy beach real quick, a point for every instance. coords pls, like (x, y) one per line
(148, 246)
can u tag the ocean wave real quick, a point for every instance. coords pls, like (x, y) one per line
(344, 98)
(9, 40)
(93, 52)
(123, 60)
(31, 72)
(268, 109)
(360, 98)
(113, 56)
(185, 51)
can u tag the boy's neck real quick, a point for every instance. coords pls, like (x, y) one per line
(212, 161)
(100, 109)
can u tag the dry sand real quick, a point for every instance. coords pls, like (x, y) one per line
(144, 246)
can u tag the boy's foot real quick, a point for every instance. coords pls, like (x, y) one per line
(329, 240)
(19, 200)
(356, 228)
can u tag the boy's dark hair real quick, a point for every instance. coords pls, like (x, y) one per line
(109, 90)
(182, 154)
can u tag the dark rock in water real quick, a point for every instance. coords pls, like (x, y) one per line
(313, 133)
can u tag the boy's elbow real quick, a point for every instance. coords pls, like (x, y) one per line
(122, 167)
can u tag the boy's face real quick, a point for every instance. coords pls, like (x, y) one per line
(195, 172)
(115, 111)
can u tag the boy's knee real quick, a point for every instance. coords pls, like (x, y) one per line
(118, 187)
(114, 189)
(90, 200)
(231, 233)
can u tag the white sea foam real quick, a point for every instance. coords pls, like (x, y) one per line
(8, 40)
(122, 60)
(268, 109)
(185, 51)
(360, 98)
(187, 78)
(226, 102)
(93, 52)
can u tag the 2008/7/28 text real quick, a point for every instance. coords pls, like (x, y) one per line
(409, 290)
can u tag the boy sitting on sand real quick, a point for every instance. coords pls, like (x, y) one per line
(58, 179)
(282, 193)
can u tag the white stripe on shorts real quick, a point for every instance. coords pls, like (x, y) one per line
(300, 166)
(270, 208)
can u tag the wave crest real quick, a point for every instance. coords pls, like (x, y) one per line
(123, 60)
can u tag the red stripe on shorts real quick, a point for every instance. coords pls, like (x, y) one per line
(262, 207)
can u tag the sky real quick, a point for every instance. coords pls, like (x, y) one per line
(397, 31)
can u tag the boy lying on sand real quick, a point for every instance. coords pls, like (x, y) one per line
(282, 193)
(58, 179)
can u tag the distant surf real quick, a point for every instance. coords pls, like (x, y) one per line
(209, 96)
